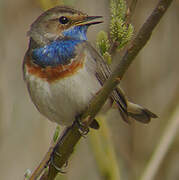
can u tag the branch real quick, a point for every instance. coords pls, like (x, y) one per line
(72, 135)
(166, 139)
(163, 146)
(137, 44)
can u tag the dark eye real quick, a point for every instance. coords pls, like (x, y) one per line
(63, 20)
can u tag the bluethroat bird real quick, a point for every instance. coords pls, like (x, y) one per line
(63, 72)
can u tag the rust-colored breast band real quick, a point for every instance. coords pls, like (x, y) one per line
(52, 74)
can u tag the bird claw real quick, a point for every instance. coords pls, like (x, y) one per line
(60, 170)
(82, 129)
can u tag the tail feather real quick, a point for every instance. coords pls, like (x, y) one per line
(140, 113)
(127, 108)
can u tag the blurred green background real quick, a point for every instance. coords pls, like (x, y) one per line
(152, 81)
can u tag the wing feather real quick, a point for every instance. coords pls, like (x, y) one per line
(126, 108)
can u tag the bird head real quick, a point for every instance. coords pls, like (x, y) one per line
(61, 22)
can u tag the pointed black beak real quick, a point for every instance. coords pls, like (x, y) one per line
(88, 21)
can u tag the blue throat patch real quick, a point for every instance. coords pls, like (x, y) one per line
(61, 51)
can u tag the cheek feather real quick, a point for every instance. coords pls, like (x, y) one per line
(60, 28)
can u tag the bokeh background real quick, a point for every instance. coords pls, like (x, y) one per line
(152, 81)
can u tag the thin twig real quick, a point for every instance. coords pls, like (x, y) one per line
(165, 142)
(129, 14)
(166, 139)
(45, 161)
(131, 10)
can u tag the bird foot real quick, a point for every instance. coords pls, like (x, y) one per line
(59, 169)
(82, 128)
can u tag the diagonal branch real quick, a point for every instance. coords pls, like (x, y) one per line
(72, 135)
(136, 45)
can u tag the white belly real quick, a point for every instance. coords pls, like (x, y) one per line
(62, 100)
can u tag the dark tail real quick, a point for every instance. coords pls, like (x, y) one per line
(140, 113)
(127, 108)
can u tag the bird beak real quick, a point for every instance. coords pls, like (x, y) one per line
(88, 21)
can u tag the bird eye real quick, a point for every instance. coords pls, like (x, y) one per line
(63, 20)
